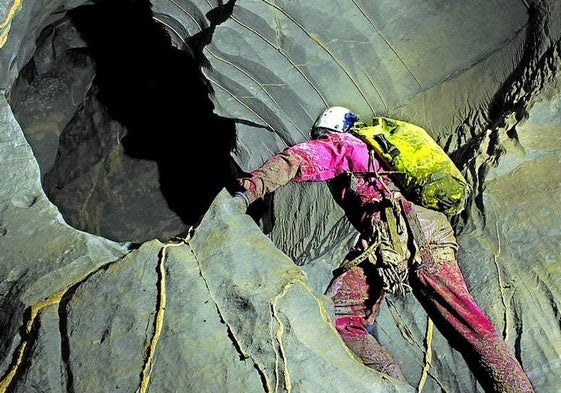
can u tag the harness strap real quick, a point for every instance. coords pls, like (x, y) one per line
(393, 270)
(369, 254)
(392, 214)
(385, 251)
(412, 219)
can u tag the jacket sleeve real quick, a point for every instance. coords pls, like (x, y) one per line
(314, 160)
(274, 173)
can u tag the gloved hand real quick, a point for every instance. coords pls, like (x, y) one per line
(241, 202)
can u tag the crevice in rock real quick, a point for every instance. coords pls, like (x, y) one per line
(235, 342)
(65, 346)
(29, 326)
(10, 305)
(21, 358)
(501, 285)
(519, 329)
(28, 334)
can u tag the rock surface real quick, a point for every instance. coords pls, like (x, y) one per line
(98, 295)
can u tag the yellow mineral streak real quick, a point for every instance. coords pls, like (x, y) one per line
(57, 297)
(5, 25)
(159, 320)
(34, 312)
(327, 320)
(280, 330)
(428, 355)
(278, 336)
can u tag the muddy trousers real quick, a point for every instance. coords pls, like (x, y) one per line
(441, 290)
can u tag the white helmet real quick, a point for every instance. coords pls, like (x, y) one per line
(335, 118)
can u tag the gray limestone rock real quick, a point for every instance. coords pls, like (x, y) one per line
(95, 296)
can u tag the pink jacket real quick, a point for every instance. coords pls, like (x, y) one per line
(332, 159)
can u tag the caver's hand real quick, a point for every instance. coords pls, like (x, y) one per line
(240, 202)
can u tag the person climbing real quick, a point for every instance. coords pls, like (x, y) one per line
(402, 247)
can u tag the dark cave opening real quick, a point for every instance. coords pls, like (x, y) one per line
(155, 95)
(159, 94)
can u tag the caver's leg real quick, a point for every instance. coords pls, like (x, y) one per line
(440, 288)
(357, 295)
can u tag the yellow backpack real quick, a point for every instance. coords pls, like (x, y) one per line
(422, 168)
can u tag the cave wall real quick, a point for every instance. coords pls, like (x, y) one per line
(231, 296)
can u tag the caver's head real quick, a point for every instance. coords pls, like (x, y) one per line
(333, 119)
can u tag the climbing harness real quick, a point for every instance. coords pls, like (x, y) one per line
(385, 250)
